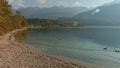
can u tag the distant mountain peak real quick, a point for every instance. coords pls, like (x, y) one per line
(52, 12)
(103, 15)
(61, 6)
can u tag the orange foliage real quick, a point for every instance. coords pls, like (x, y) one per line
(1, 31)
(9, 21)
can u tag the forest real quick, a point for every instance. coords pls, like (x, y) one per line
(8, 20)
(50, 23)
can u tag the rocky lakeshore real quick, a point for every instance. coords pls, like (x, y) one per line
(18, 55)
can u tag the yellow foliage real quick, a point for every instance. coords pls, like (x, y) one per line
(7, 20)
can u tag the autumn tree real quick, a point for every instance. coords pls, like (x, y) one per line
(9, 21)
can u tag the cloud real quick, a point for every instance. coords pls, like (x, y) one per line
(95, 3)
(42, 1)
(16, 3)
(10, 1)
(66, 3)
(78, 3)
(60, 3)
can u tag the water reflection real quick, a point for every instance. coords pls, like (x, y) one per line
(92, 45)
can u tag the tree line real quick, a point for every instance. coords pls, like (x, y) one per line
(8, 20)
(49, 23)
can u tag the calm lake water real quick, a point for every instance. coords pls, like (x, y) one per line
(83, 44)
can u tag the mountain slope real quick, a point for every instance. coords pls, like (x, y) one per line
(52, 12)
(104, 15)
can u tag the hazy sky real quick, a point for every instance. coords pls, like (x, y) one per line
(50, 3)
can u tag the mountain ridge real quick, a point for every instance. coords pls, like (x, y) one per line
(51, 13)
(103, 15)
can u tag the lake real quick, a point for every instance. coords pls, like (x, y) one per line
(92, 45)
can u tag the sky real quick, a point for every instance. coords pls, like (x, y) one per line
(50, 3)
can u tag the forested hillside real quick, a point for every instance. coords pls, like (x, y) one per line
(8, 20)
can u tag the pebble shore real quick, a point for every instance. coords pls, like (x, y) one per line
(17, 55)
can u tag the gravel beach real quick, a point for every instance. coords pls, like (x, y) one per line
(17, 55)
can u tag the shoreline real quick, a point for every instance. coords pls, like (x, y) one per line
(66, 59)
(17, 55)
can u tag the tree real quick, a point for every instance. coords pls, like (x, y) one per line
(1, 31)
(75, 23)
(18, 18)
(50, 24)
(25, 22)
(9, 21)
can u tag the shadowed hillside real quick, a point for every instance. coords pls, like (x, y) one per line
(104, 15)
(52, 12)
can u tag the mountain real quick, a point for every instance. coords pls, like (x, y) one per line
(104, 15)
(51, 13)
